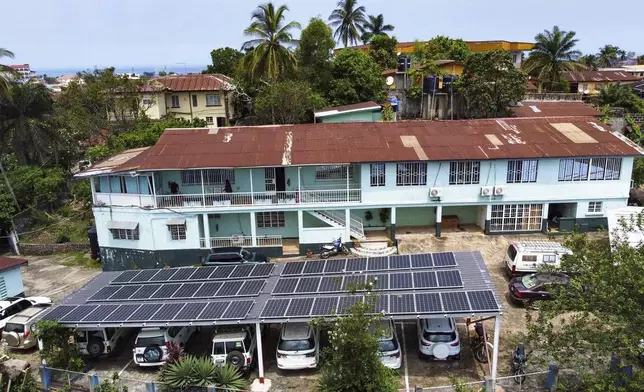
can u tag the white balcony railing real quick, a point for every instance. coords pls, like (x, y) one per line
(263, 241)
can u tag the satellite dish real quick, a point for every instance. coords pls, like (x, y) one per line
(389, 81)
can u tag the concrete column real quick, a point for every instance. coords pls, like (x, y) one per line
(439, 220)
(495, 350)
(253, 230)
(544, 217)
(260, 356)
(252, 196)
(488, 216)
(347, 226)
(206, 230)
(392, 225)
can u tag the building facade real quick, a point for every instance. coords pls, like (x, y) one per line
(262, 187)
(10, 277)
(592, 82)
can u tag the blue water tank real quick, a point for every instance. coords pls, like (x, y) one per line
(448, 80)
(430, 84)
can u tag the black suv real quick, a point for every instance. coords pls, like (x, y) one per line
(234, 255)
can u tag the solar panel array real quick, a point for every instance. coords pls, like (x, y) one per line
(380, 263)
(173, 275)
(379, 281)
(113, 313)
(392, 304)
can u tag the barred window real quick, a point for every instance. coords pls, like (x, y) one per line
(270, 219)
(594, 207)
(411, 174)
(605, 168)
(177, 232)
(210, 176)
(464, 172)
(522, 171)
(573, 169)
(125, 234)
(516, 217)
(332, 172)
(377, 174)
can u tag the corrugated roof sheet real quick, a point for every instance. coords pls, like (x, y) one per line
(554, 109)
(341, 143)
(196, 82)
(10, 262)
(111, 164)
(355, 106)
(599, 76)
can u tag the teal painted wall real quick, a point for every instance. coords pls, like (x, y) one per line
(352, 117)
(309, 221)
(375, 212)
(415, 216)
(466, 214)
(231, 224)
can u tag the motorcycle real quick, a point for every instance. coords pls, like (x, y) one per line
(479, 345)
(519, 360)
(337, 247)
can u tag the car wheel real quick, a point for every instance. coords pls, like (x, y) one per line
(236, 359)
(95, 348)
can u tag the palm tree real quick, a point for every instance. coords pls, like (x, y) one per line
(609, 55)
(374, 26)
(552, 54)
(589, 61)
(348, 20)
(5, 71)
(268, 52)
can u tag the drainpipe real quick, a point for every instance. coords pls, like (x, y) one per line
(190, 104)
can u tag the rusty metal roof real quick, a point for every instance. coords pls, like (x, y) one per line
(553, 109)
(196, 82)
(11, 262)
(600, 76)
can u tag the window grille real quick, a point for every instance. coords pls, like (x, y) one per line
(377, 174)
(464, 172)
(516, 217)
(270, 219)
(522, 171)
(210, 176)
(177, 232)
(595, 207)
(332, 173)
(125, 234)
(411, 174)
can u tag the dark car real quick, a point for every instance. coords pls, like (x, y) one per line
(528, 289)
(234, 255)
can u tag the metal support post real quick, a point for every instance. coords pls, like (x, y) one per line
(260, 355)
(439, 220)
(203, 190)
(253, 230)
(495, 350)
(206, 231)
(347, 224)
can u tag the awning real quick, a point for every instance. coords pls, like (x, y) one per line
(176, 221)
(122, 225)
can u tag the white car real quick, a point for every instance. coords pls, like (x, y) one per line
(14, 305)
(298, 347)
(94, 342)
(234, 347)
(390, 354)
(150, 346)
(438, 339)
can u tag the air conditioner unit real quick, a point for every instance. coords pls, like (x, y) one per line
(435, 192)
(486, 191)
(499, 190)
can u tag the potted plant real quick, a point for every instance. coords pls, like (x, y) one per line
(384, 216)
(309, 253)
(368, 216)
(356, 243)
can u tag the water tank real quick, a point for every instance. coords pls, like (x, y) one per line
(93, 241)
(430, 84)
(404, 63)
(448, 80)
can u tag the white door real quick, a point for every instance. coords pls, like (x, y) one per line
(269, 179)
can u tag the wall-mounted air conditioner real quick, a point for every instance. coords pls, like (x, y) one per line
(435, 192)
(499, 190)
(486, 191)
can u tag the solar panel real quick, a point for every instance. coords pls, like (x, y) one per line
(293, 268)
(299, 307)
(167, 312)
(285, 286)
(401, 304)
(183, 274)
(347, 302)
(324, 306)
(187, 290)
(421, 261)
(377, 263)
(145, 312)
(166, 290)
(125, 292)
(335, 266)
(214, 310)
(444, 259)
(104, 293)
(400, 281)
(122, 313)
(262, 270)
(314, 267)
(308, 285)
(274, 308)
(455, 301)
(482, 300)
(208, 290)
(202, 273)
(330, 284)
(451, 278)
(242, 271)
(229, 289)
(425, 280)
(222, 272)
(100, 313)
(145, 275)
(146, 291)
(379, 281)
(428, 303)
(382, 304)
(79, 313)
(356, 265)
(399, 262)
(191, 311)
(163, 275)
(251, 287)
(353, 281)
(126, 276)
(58, 312)
(237, 310)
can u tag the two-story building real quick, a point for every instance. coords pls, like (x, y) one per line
(592, 82)
(262, 186)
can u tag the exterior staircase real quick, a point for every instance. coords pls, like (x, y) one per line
(337, 219)
(374, 249)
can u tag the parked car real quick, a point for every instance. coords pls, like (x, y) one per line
(234, 347)
(529, 289)
(234, 255)
(390, 354)
(14, 305)
(151, 344)
(298, 347)
(525, 257)
(438, 338)
(20, 330)
(95, 342)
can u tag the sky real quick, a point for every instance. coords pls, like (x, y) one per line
(88, 33)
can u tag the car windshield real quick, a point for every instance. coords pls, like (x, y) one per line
(439, 337)
(246, 254)
(150, 341)
(10, 327)
(296, 345)
(388, 345)
(530, 281)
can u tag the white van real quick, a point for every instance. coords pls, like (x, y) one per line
(525, 257)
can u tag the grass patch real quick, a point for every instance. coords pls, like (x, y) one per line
(71, 259)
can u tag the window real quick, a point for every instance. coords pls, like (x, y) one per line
(97, 184)
(175, 101)
(147, 101)
(212, 100)
(118, 184)
(377, 174)
(270, 219)
(549, 258)
(573, 169)
(595, 207)
(125, 234)
(177, 232)
(522, 171)
(210, 120)
(605, 168)
(332, 173)
(464, 172)
(210, 176)
(529, 258)
(221, 122)
(516, 217)
(595, 169)
(411, 174)
(194, 101)
(584, 87)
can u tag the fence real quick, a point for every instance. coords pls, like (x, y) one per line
(536, 381)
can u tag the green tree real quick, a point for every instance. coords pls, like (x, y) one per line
(314, 52)
(355, 78)
(621, 96)
(490, 83)
(348, 20)
(589, 61)
(162, 73)
(268, 54)
(553, 53)
(383, 51)
(58, 346)
(609, 55)
(225, 61)
(191, 371)
(289, 102)
(373, 26)
(640, 60)
(5, 72)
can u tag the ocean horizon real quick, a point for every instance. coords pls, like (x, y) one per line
(140, 69)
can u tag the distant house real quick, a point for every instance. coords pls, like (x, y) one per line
(10, 277)
(592, 82)
(553, 109)
(624, 225)
(638, 88)
(359, 112)
(397, 78)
